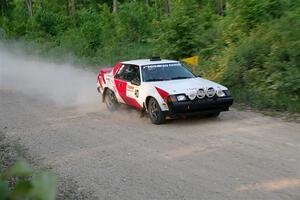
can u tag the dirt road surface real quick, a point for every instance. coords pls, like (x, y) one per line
(240, 155)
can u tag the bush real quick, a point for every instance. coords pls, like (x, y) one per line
(266, 64)
(27, 184)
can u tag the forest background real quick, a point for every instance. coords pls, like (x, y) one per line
(251, 46)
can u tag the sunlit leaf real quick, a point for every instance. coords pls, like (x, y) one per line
(20, 168)
(21, 189)
(4, 192)
(44, 186)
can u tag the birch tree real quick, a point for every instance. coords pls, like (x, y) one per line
(169, 7)
(29, 7)
(73, 7)
(115, 6)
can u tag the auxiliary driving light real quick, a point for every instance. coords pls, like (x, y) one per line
(192, 95)
(201, 93)
(210, 92)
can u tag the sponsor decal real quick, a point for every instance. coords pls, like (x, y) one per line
(136, 93)
(130, 88)
(132, 91)
(149, 67)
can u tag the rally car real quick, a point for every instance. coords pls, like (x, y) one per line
(162, 88)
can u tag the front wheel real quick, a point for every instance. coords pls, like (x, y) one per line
(110, 100)
(155, 113)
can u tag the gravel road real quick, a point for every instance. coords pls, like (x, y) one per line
(240, 155)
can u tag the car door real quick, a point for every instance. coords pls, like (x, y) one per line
(133, 86)
(120, 83)
(127, 83)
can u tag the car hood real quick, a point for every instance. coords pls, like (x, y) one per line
(186, 86)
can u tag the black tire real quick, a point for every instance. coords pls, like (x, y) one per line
(110, 100)
(214, 115)
(155, 113)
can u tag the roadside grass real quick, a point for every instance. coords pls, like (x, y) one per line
(283, 115)
(262, 101)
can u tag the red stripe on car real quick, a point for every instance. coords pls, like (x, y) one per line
(121, 87)
(116, 68)
(163, 94)
(99, 81)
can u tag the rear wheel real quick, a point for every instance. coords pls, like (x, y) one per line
(110, 100)
(155, 113)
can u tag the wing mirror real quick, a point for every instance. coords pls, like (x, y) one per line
(135, 82)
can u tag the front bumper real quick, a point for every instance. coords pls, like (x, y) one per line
(198, 107)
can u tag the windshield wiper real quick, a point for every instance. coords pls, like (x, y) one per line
(180, 77)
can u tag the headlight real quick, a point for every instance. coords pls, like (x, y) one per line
(227, 92)
(221, 93)
(181, 97)
(177, 98)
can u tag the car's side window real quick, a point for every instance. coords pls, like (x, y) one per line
(129, 73)
(132, 73)
(120, 72)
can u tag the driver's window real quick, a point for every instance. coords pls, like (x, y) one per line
(128, 73)
(132, 72)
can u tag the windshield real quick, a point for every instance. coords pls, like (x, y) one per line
(163, 72)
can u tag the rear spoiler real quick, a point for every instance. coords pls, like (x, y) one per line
(105, 70)
(100, 77)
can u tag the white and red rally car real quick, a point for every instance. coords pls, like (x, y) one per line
(161, 88)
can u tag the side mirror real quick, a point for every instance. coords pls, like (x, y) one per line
(135, 82)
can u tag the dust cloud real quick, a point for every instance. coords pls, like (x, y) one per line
(62, 84)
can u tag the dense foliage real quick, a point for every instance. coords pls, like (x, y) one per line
(252, 46)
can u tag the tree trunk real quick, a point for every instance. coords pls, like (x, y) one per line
(73, 7)
(169, 7)
(158, 7)
(42, 4)
(29, 7)
(3, 6)
(67, 7)
(147, 2)
(115, 6)
(220, 7)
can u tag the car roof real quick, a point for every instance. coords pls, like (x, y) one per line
(142, 62)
